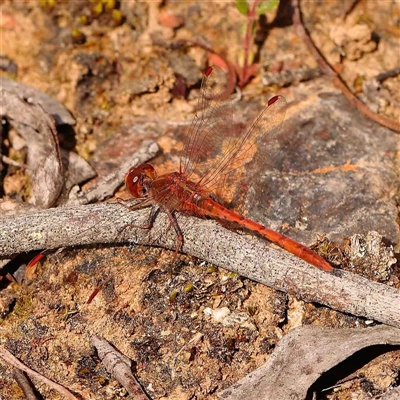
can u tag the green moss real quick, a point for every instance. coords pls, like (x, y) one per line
(48, 3)
(83, 20)
(173, 295)
(188, 287)
(98, 8)
(78, 37)
(110, 4)
(211, 269)
(23, 308)
(358, 82)
(76, 33)
(117, 16)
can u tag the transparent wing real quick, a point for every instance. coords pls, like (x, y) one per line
(214, 150)
(208, 129)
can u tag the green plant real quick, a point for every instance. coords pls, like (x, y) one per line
(252, 10)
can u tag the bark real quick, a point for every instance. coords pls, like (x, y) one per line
(246, 255)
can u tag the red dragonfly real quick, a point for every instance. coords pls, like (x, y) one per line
(210, 155)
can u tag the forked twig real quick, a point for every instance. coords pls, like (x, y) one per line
(336, 79)
(8, 357)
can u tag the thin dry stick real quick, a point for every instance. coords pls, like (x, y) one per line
(336, 79)
(24, 384)
(207, 240)
(7, 356)
(109, 185)
(388, 74)
(195, 339)
(119, 366)
(10, 161)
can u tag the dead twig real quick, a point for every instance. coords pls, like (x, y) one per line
(24, 384)
(9, 358)
(109, 185)
(37, 127)
(195, 339)
(376, 93)
(248, 256)
(388, 74)
(119, 366)
(10, 161)
(302, 356)
(336, 79)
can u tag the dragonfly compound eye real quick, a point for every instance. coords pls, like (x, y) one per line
(139, 179)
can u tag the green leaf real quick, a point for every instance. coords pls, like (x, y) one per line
(266, 6)
(242, 6)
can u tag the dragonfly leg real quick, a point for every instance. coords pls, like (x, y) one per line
(150, 221)
(179, 235)
(137, 206)
(120, 201)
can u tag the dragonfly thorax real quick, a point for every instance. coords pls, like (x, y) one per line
(176, 191)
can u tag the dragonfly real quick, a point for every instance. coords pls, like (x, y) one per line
(209, 159)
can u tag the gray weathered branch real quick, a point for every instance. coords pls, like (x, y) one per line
(246, 255)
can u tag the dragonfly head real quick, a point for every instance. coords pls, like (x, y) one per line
(139, 180)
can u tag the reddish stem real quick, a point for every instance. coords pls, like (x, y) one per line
(232, 73)
(251, 17)
(336, 79)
